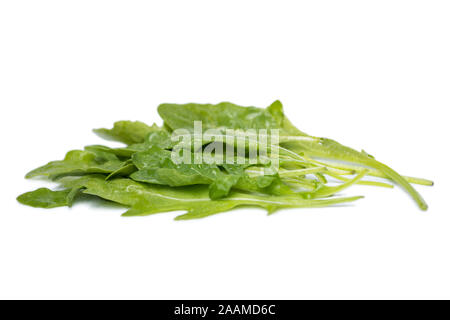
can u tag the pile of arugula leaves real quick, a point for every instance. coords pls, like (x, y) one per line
(144, 177)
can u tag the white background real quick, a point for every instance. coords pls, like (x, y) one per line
(370, 74)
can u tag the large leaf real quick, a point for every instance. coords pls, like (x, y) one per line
(156, 166)
(146, 199)
(224, 115)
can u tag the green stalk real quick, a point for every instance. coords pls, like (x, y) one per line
(400, 180)
(332, 150)
(371, 172)
(328, 191)
(366, 183)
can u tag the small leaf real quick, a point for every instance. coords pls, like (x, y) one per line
(46, 198)
(128, 132)
(77, 162)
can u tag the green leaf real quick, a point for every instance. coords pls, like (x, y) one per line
(123, 153)
(128, 132)
(77, 162)
(146, 199)
(161, 139)
(221, 187)
(46, 198)
(125, 170)
(156, 166)
(224, 115)
(152, 157)
(170, 177)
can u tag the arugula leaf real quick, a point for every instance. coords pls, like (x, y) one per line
(126, 169)
(128, 132)
(224, 115)
(146, 199)
(77, 162)
(156, 166)
(46, 198)
(122, 153)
